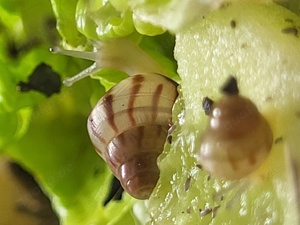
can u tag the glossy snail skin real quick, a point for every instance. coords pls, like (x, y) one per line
(129, 126)
(237, 139)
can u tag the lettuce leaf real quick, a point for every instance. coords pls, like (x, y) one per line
(48, 135)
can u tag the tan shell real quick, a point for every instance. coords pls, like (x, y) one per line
(128, 128)
(237, 139)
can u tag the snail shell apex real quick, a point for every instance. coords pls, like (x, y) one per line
(237, 138)
(128, 128)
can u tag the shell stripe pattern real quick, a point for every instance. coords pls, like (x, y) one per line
(136, 101)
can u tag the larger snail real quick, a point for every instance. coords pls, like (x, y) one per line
(237, 139)
(129, 126)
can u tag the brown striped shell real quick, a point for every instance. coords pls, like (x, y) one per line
(129, 126)
(237, 139)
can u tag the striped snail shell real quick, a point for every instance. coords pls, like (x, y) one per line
(237, 139)
(129, 126)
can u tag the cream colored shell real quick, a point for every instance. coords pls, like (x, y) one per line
(128, 128)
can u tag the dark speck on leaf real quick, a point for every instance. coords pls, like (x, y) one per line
(233, 24)
(187, 183)
(225, 5)
(278, 140)
(208, 178)
(244, 45)
(43, 79)
(290, 30)
(289, 20)
(207, 105)
(169, 139)
(199, 166)
(188, 210)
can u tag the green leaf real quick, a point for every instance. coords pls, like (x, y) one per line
(99, 20)
(250, 41)
(66, 23)
(57, 150)
(160, 48)
(48, 135)
(13, 126)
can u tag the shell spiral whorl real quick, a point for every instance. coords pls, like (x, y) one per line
(128, 128)
(237, 138)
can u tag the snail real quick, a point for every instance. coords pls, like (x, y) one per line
(237, 138)
(128, 128)
(108, 54)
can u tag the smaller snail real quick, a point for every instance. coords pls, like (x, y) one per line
(129, 127)
(237, 139)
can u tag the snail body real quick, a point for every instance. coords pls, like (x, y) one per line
(129, 126)
(237, 139)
